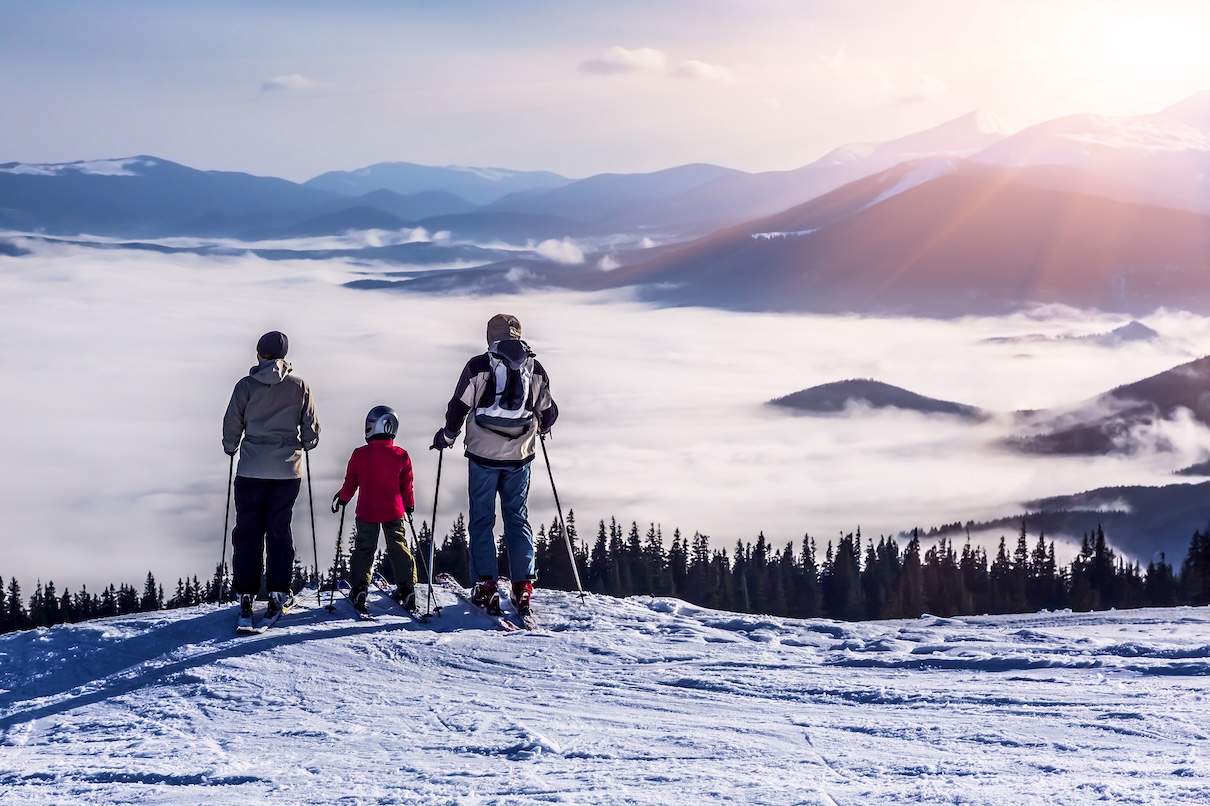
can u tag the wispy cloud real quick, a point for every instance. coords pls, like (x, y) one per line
(624, 60)
(702, 71)
(921, 89)
(294, 82)
(564, 251)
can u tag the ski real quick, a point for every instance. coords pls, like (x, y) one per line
(450, 584)
(526, 620)
(251, 628)
(388, 591)
(285, 608)
(256, 628)
(346, 590)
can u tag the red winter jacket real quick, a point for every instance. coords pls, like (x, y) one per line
(384, 474)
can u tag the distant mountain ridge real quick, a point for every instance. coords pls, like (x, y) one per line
(1106, 423)
(919, 239)
(477, 185)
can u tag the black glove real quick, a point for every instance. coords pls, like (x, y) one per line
(410, 511)
(441, 440)
(231, 452)
(337, 504)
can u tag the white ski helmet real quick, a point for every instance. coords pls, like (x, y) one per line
(380, 422)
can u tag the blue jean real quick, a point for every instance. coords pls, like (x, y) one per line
(512, 485)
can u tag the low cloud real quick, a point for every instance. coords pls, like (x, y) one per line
(702, 71)
(291, 83)
(608, 263)
(170, 335)
(564, 251)
(617, 60)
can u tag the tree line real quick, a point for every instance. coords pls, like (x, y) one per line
(854, 578)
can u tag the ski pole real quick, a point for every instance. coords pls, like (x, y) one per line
(222, 562)
(571, 554)
(314, 541)
(340, 530)
(416, 542)
(433, 530)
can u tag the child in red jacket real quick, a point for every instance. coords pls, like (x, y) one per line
(383, 472)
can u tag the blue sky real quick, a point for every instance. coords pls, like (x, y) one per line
(297, 88)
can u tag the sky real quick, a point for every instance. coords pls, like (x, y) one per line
(297, 88)
(119, 364)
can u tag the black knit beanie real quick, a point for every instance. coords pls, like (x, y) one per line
(273, 344)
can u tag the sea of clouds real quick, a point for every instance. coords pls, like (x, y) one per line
(117, 367)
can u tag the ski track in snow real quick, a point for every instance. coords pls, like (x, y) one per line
(639, 700)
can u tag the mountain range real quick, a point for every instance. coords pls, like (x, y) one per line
(942, 238)
(1090, 211)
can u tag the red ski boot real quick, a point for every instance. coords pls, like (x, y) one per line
(485, 595)
(522, 593)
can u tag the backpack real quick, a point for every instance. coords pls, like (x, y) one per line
(507, 399)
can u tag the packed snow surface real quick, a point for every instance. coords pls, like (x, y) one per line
(616, 701)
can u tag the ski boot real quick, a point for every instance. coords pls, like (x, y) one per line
(405, 597)
(359, 602)
(277, 603)
(245, 612)
(522, 593)
(485, 595)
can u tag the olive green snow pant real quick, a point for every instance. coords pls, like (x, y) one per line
(365, 545)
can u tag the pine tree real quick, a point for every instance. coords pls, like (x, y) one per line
(653, 562)
(149, 601)
(128, 600)
(453, 556)
(619, 562)
(597, 579)
(678, 565)
(1160, 585)
(1195, 571)
(16, 617)
(806, 599)
(1001, 581)
(37, 608)
(841, 581)
(908, 599)
(50, 601)
(67, 611)
(697, 583)
(1019, 576)
(298, 576)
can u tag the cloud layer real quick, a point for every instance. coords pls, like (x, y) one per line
(113, 405)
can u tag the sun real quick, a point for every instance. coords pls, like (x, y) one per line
(1153, 44)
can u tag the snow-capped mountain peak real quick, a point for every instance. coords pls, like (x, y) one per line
(127, 166)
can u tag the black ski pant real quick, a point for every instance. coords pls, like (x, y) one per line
(261, 537)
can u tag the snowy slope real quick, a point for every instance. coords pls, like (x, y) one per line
(1165, 155)
(623, 701)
